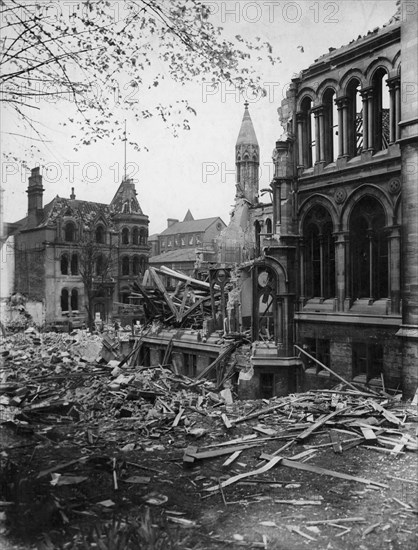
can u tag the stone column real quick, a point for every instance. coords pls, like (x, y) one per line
(340, 268)
(398, 109)
(302, 274)
(392, 112)
(321, 135)
(300, 123)
(345, 127)
(364, 94)
(321, 266)
(370, 120)
(394, 242)
(340, 128)
(317, 137)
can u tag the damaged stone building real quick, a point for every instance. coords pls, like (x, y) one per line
(70, 248)
(326, 274)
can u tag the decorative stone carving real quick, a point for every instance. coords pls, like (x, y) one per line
(394, 186)
(340, 196)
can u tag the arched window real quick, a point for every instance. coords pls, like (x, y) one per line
(142, 264)
(308, 133)
(74, 264)
(369, 250)
(99, 265)
(125, 235)
(330, 127)
(135, 236)
(319, 254)
(143, 236)
(64, 264)
(74, 299)
(69, 232)
(269, 226)
(64, 299)
(125, 265)
(381, 103)
(354, 119)
(100, 234)
(135, 265)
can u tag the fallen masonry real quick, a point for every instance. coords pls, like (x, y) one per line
(83, 438)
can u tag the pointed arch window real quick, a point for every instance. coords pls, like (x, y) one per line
(100, 234)
(369, 251)
(265, 304)
(100, 265)
(308, 133)
(355, 129)
(381, 107)
(319, 254)
(269, 226)
(330, 140)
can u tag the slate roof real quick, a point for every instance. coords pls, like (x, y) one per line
(192, 226)
(246, 134)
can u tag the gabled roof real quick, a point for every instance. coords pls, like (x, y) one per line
(193, 226)
(60, 206)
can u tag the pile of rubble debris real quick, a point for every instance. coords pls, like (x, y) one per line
(56, 388)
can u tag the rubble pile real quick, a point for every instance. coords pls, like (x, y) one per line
(118, 421)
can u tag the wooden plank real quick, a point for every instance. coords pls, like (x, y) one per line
(387, 414)
(234, 479)
(327, 368)
(368, 434)
(326, 472)
(226, 421)
(178, 417)
(231, 459)
(320, 422)
(336, 443)
(159, 284)
(399, 446)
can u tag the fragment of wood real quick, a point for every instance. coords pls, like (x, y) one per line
(350, 443)
(354, 519)
(379, 449)
(320, 422)
(178, 417)
(400, 446)
(216, 452)
(294, 529)
(371, 528)
(327, 368)
(60, 467)
(343, 444)
(368, 434)
(222, 355)
(406, 506)
(237, 441)
(259, 413)
(226, 421)
(300, 502)
(323, 471)
(189, 455)
(231, 459)
(238, 477)
(135, 465)
(159, 284)
(390, 417)
(414, 401)
(336, 443)
(265, 431)
(402, 479)
(342, 533)
(180, 276)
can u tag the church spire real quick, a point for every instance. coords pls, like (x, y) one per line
(247, 159)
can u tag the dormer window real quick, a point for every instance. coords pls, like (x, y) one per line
(100, 234)
(69, 232)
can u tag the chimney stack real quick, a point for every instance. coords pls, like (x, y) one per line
(72, 196)
(171, 221)
(35, 197)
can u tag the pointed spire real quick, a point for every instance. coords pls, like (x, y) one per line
(246, 134)
(188, 217)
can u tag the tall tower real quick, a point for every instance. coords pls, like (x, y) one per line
(247, 160)
(35, 197)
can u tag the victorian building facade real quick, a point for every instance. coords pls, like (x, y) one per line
(76, 258)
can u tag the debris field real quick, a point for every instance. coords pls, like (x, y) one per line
(102, 454)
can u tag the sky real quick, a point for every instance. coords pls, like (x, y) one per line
(196, 170)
